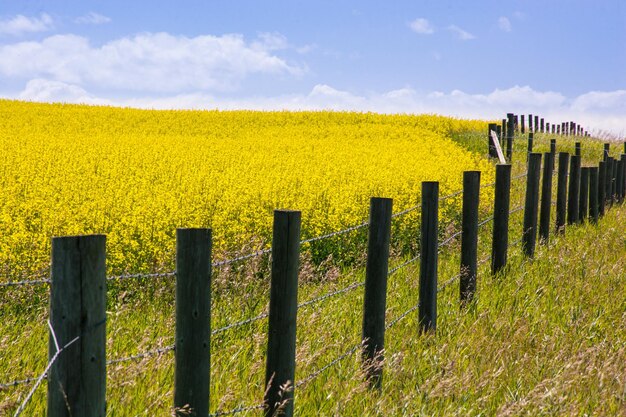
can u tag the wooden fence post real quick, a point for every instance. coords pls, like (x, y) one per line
(561, 193)
(77, 378)
(469, 236)
(574, 190)
(546, 198)
(620, 180)
(542, 124)
(607, 148)
(583, 211)
(429, 248)
(530, 123)
(623, 183)
(510, 133)
(375, 299)
(523, 128)
(593, 194)
(531, 205)
(193, 322)
(601, 188)
(281, 344)
(577, 149)
(536, 123)
(491, 145)
(502, 200)
(609, 181)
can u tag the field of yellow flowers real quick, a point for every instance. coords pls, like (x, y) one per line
(137, 175)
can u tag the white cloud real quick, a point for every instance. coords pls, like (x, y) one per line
(149, 62)
(92, 18)
(422, 26)
(596, 111)
(21, 24)
(461, 34)
(504, 24)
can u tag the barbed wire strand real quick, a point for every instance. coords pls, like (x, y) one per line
(402, 265)
(142, 275)
(241, 258)
(25, 282)
(158, 351)
(450, 239)
(237, 410)
(332, 363)
(337, 233)
(331, 294)
(16, 383)
(487, 220)
(59, 350)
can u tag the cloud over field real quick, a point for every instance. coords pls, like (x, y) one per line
(148, 62)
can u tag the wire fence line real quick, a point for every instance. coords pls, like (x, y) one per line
(39, 281)
(16, 383)
(142, 276)
(321, 298)
(237, 410)
(155, 352)
(329, 365)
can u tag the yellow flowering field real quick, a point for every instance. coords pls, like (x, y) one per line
(137, 175)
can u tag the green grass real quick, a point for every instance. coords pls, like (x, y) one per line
(547, 337)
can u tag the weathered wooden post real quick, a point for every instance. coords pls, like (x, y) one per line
(542, 124)
(583, 212)
(536, 123)
(193, 321)
(523, 128)
(607, 149)
(375, 299)
(510, 133)
(530, 123)
(574, 190)
(469, 236)
(601, 188)
(593, 194)
(281, 344)
(529, 149)
(428, 259)
(531, 206)
(490, 143)
(77, 341)
(502, 201)
(577, 149)
(546, 199)
(561, 193)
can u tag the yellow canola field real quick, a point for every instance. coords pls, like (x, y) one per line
(137, 175)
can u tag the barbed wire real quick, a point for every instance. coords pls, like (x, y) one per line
(402, 265)
(240, 323)
(448, 283)
(520, 176)
(337, 233)
(241, 258)
(237, 410)
(331, 294)
(332, 363)
(487, 220)
(450, 239)
(40, 281)
(146, 354)
(142, 276)
(515, 210)
(59, 350)
(16, 383)
(401, 317)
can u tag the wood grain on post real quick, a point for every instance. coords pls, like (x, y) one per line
(469, 236)
(561, 193)
(601, 188)
(574, 190)
(583, 211)
(77, 379)
(546, 199)
(593, 194)
(502, 199)
(281, 344)
(375, 299)
(193, 321)
(429, 247)
(531, 205)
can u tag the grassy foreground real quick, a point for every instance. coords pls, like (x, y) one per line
(546, 338)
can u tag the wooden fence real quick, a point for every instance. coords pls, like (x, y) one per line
(77, 361)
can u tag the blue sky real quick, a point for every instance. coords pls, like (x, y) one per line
(562, 59)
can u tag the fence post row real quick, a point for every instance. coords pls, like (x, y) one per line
(574, 190)
(546, 198)
(429, 256)
(469, 236)
(77, 341)
(281, 341)
(500, 239)
(193, 322)
(375, 298)
(531, 205)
